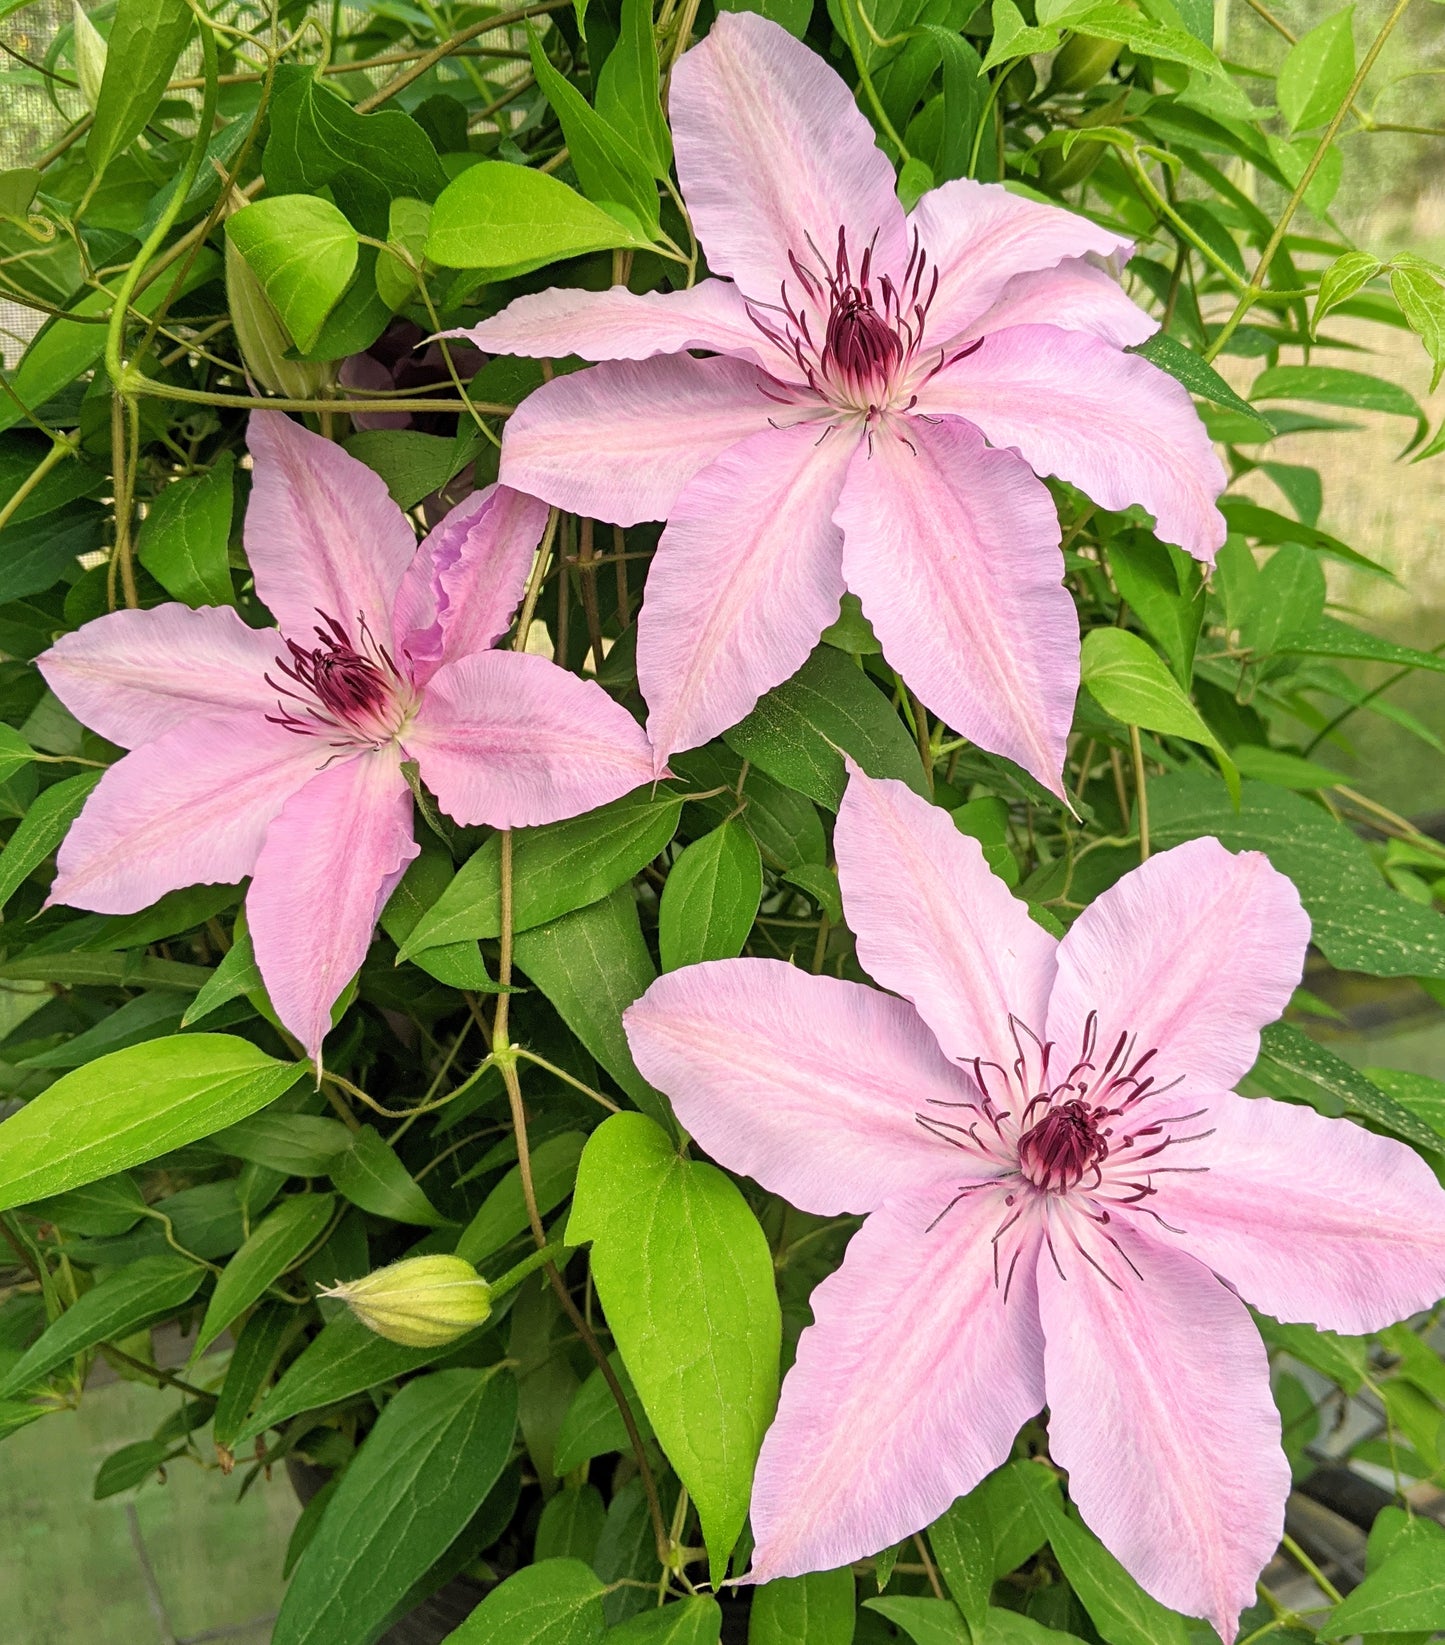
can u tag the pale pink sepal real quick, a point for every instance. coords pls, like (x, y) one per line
(620, 440)
(979, 236)
(463, 587)
(908, 1388)
(192, 807)
(935, 925)
(1110, 423)
(134, 675)
(1078, 295)
(310, 924)
(1313, 1220)
(756, 1054)
(953, 550)
(322, 533)
(773, 154)
(511, 740)
(747, 575)
(1191, 954)
(1160, 1409)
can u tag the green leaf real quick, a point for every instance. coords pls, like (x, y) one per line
(1272, 765)
(924, 1621)
(1422, 302)
(609, 168)
(696, 1621)
(508, 220)
(317, 140)
(69, 345)
(370, 1175)
(257, 1350)
(1317, 71)
(711, 898)
(1288, 599)
(40, 831)
(407, 223)
(1335, 386)
(124, 1302)
(1329, 637)
(592, 965)
(457, 964)
(131, 1465)
(343, 1360)
(185, 535)
(570, 1524)
(1197, 375)
(556, 1602)
(1147, 38)
(1011, 1628)
(131, 1107)
(300, 1145)
(1266, 526)
(627, 89)
(1128, 680)
(686, 1279)
(412, 464)
(276, 1244)
(1118, 1607)
(1406, 1593)
(792, 15)
(503, 1214)
(962, 1543)
(1012, 37)
(593, 1425)
(435, 1452)
(1359, 923)
(303, 251)
(1342, 279)
(1165, 590)
(1283, 1047)
(801, 730)
(819, 1609)
(1422, 1095)
(237, 974)
(105, 1208)
(1344, 1360)
(555, 869)
(144, 1018)
(145, 40)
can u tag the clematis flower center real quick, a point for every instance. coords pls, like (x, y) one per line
(872, 329)
(1089, 1137)
(350, 692)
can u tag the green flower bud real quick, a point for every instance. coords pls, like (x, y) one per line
(89, 52)
(421, 1302)
(1082, 61)
(263, 340)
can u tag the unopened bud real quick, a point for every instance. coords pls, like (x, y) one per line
(421, 1302)
(90, 53)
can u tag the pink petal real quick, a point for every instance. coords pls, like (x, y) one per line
(747, 575)
(954, 551)
(1076, 296)
(810, 1085)
(331, 859)
(934, 925)
(909, 1387)
(618, 324)
(467, 579)
(322, 533)
(775, 157)
(979, 236)
(1159, 1407)
(1191, 954)
(133, 675)
(619, 441)
(511, 740)
(191, 807)
(1109, 423)
(1313, 1220)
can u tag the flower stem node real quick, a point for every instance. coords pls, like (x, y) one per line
(420, 1302)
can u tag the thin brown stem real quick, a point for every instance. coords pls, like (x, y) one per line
(429, 60)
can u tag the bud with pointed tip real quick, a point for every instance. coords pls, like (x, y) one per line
(90, 52)
(420, 1302)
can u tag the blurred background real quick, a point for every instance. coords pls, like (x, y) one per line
(141, 1567)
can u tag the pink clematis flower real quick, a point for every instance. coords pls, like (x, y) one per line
(880, 391)
(1065, 1200)
(278, 754)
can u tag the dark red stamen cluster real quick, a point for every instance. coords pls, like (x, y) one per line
(872, 328)
(343, 689)
(1071, 1135)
